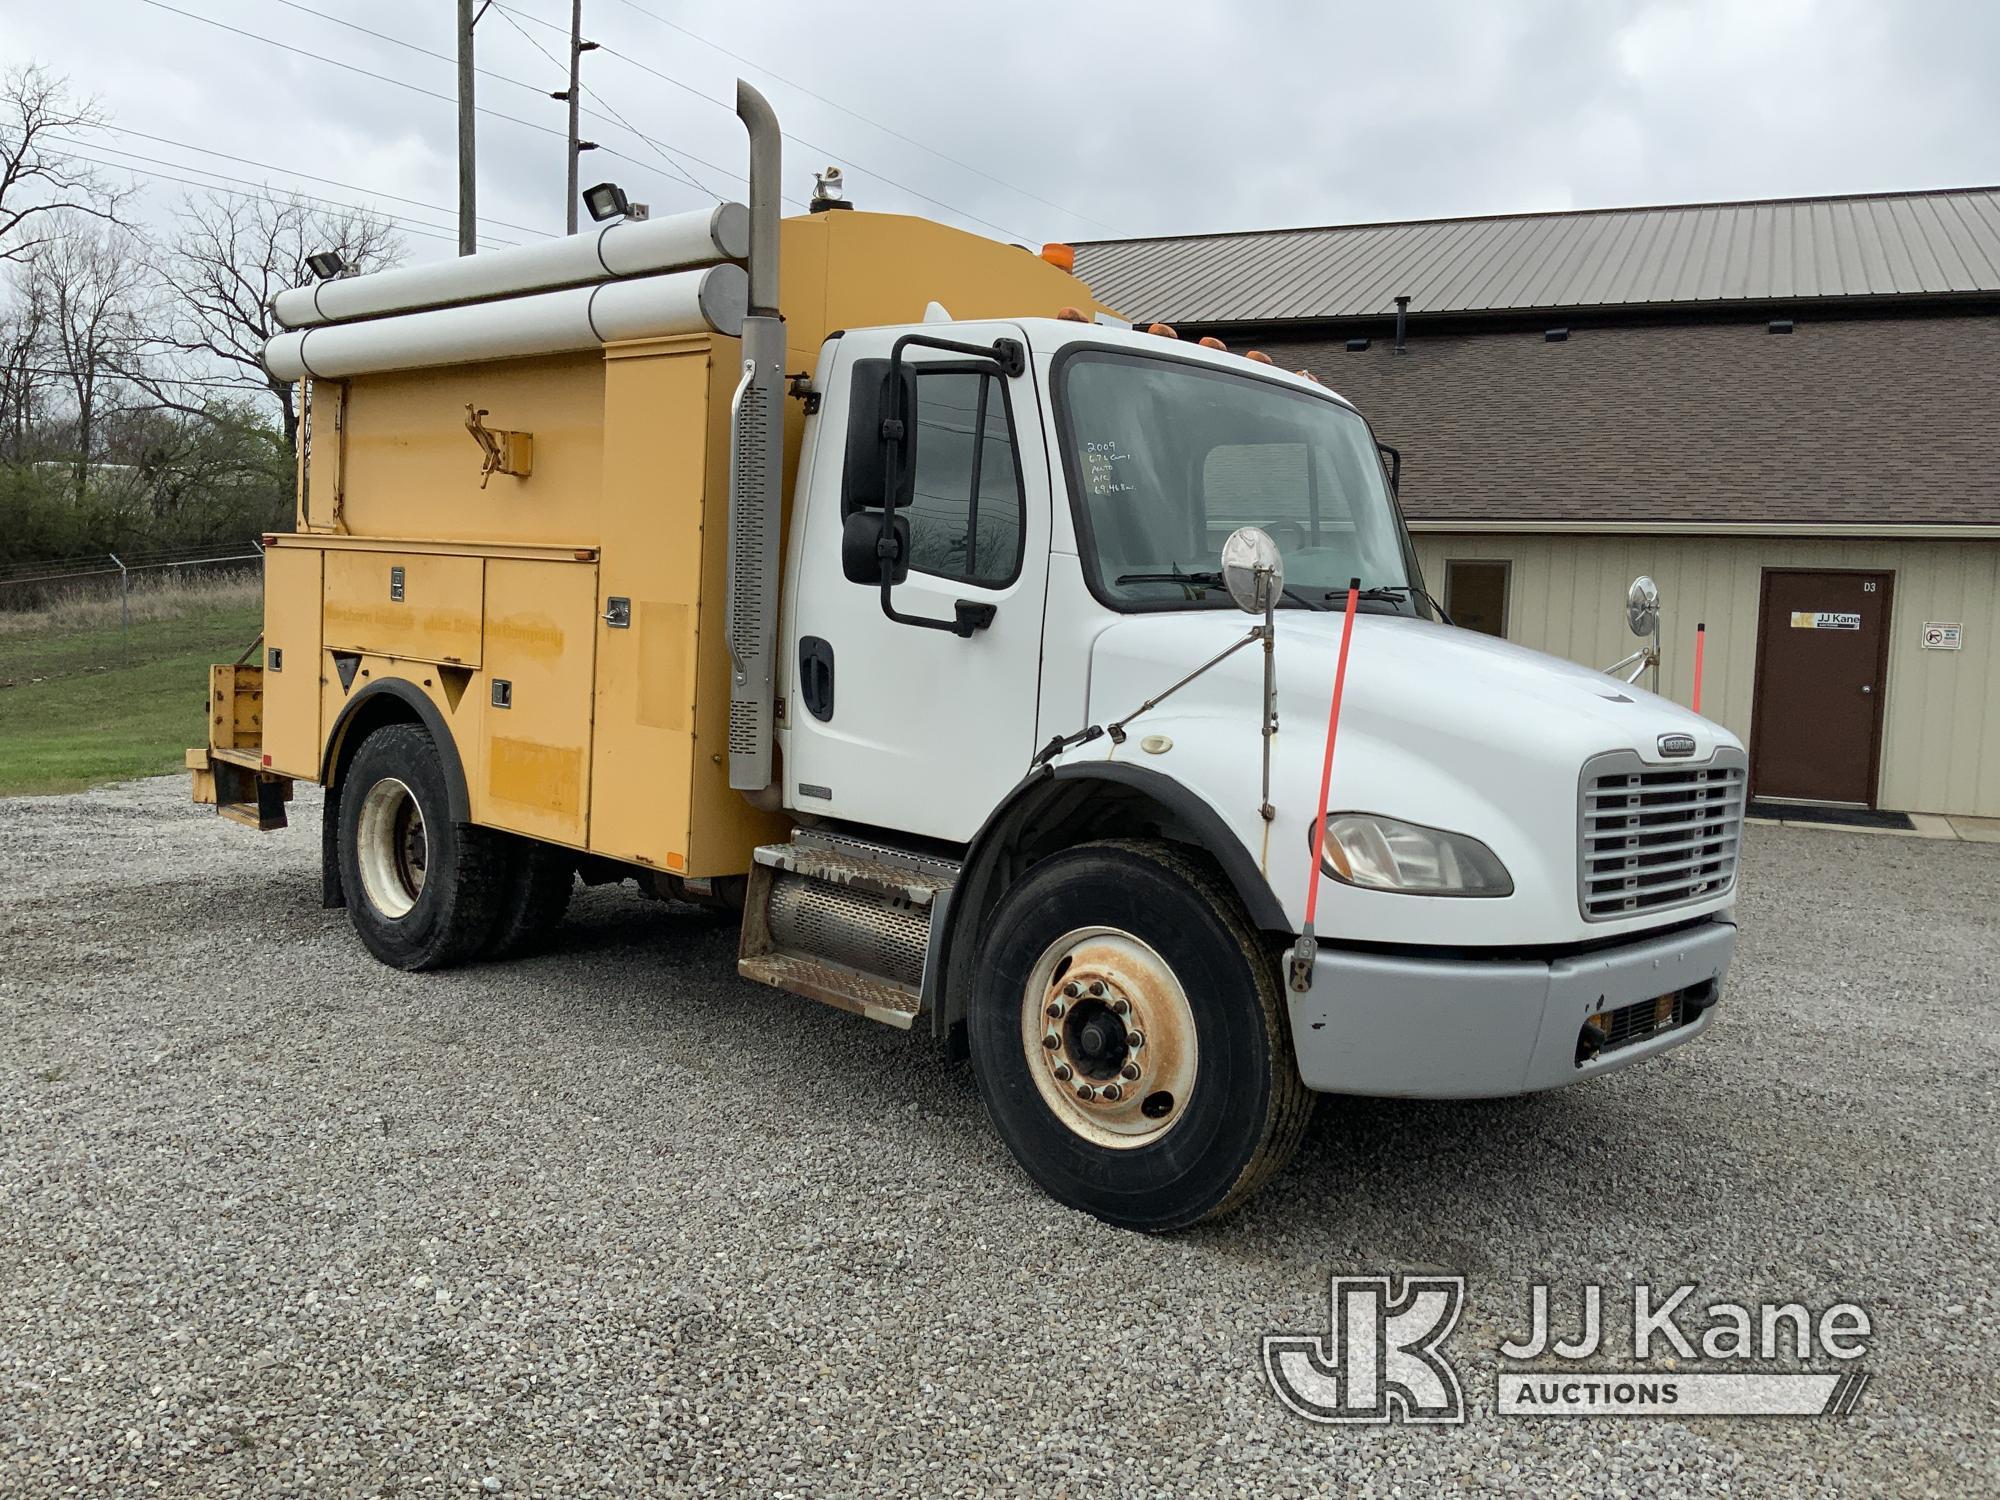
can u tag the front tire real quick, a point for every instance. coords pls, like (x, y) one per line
(1129, 1037)
(423, 892)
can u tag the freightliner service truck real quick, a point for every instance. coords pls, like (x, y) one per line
(869, 578)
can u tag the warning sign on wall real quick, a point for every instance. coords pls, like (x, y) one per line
(1821, 619)
(1939, 636)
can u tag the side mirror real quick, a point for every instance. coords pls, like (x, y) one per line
(1642, 605)
(860, 547)
(875, 400)
(1253, 570)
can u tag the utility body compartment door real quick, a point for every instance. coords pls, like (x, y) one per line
(540, 645)
(909, 728)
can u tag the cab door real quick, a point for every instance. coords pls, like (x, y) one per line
(903, 726)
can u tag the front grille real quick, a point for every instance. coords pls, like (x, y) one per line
(1610, 1030)
(1653, 837)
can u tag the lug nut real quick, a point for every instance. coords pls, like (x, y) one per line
(1073, 990)
(1129, 1071)
(1062, 1072)
(1085, 1091)
(1135, 1040)
(1112, 1091)
(1097, 988)
(1052, 1041)
(1122, 1007)
(1055, 1010)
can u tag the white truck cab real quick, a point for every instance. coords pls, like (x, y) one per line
(1528, 866)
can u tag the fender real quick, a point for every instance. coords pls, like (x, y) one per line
(395, 701)
(337, 753)
(985, 876)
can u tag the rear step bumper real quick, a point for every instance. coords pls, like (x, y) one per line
(236, 785)
(844, 921)
(229, 773)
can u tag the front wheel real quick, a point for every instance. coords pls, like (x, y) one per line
(1129, 1037)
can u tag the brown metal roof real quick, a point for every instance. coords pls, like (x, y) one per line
(1779, 250)
(1869, 421)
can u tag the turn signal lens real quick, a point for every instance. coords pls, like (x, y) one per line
(1062, 257)
(1385, 854)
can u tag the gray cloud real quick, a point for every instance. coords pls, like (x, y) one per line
(1140, 118)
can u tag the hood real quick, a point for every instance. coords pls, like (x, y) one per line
(1439, 726)
(1409, 678)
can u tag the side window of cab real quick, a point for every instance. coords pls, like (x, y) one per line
(965, 505)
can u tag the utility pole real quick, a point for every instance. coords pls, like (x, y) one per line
(468, 188)
(574, 95)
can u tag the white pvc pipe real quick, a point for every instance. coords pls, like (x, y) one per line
(584, 317)
(628, 247)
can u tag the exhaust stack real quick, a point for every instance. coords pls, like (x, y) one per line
(756, 468)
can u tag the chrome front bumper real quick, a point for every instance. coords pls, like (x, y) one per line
(1455, 1028)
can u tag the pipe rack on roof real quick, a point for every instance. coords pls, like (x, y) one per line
(560, 322)
(626, 247)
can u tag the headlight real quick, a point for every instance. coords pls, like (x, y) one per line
(1382, 854)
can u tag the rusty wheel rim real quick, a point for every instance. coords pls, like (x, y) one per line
(1109, 1037)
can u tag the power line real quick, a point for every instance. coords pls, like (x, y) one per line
(403, 225)
(399, 219)
(797, 140)
(246, 385)
(334, 62)
(166, 140)
(856, 114)
(409, 46)
(508, 16)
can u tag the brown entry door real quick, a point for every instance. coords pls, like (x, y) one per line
(1821, 655)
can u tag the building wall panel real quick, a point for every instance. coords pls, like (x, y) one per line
(1941, 725)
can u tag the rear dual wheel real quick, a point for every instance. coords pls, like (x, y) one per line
(1130, 1039)
(423, 891)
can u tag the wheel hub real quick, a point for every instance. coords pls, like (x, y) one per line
(393, 847)
(1109, 1035)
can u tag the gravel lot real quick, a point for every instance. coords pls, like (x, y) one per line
(276, 1220)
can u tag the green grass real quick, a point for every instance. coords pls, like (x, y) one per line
(79, 712)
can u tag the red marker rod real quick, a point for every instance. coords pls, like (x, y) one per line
(1326, 765)
(1700, 639)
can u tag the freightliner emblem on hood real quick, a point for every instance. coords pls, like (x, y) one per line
(1676, 744)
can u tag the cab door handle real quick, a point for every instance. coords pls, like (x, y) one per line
(816, 676)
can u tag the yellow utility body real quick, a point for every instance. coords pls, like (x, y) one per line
(529, 555)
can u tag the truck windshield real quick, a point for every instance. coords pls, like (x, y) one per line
(1169, 457)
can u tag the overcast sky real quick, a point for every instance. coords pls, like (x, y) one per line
(1048, 121)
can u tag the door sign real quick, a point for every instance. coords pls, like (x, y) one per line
(1823, 619)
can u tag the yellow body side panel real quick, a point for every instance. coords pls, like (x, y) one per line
(534, 753)
(615, 735)
(292, 734)
(420, 605)
(413, 470)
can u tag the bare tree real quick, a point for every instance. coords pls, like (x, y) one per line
(24, 378)
(229, 256)
(41, 184)
(91, 282)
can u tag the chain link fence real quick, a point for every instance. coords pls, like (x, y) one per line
(95, 611)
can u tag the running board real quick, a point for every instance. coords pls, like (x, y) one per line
(844, 921)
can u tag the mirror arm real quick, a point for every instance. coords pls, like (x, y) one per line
(1010, 357)
(1395, 456)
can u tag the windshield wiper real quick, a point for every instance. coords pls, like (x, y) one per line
(1392, 593)
(1208, 580)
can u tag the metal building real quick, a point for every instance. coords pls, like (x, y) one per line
(1783, 411)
